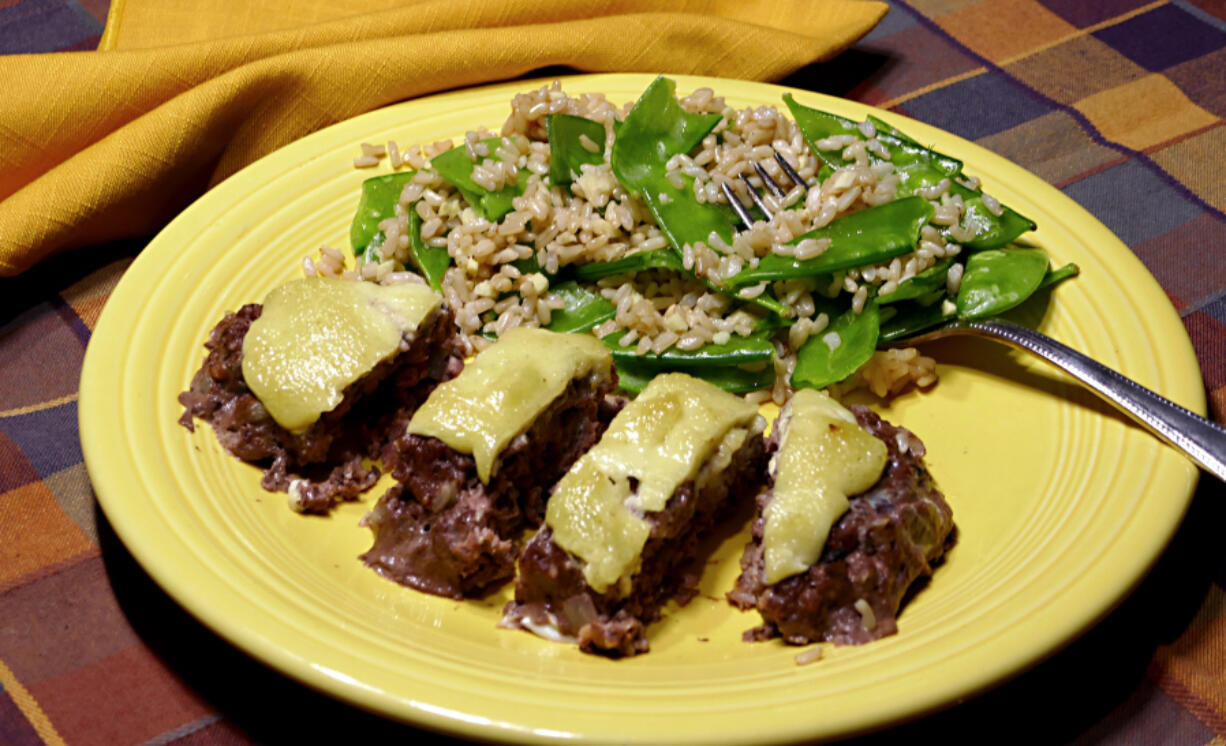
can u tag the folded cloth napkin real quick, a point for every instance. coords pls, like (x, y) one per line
(99, 146)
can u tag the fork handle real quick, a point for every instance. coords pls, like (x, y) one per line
(1202, 440)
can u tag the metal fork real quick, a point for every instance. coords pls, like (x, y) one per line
(1201, 440)
(741, 209)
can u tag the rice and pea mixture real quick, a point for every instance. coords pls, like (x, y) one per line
(582, 214)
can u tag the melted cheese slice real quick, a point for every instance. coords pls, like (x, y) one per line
(659, 441)
(824, 456)
(316, 336)
(499, 394)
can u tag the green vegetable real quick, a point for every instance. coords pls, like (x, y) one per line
(913, 318)
(457, 168)
(928, 281)
(917, 167)
(566, 151)
(584, 309)
(633, 377)
(380, 195)
(638, 262)
(431, 261)
(865, 237)
(819, 365)
(755, 348)
(668, 259)
(995, 281)
(1056, 276)
(655, 130)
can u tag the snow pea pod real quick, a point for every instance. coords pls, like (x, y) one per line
(637, 262)
(584, 309)
(995, 281)
(431, 261)
(633, 377)
(670, 260)
(1056, 276)
(655, 130)
(835, 353)
(923, 283)
(913, 318)
(457, 168)
(566, 152)
(380, 195)
(755, 348)
(865, 237)
(917, 167)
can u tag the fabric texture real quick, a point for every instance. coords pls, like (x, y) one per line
(189, 92)
(1119, 104)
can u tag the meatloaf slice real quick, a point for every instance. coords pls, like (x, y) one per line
(557, 597)
(476, 462)
(891, 536)
(443, 531)
(325, 462)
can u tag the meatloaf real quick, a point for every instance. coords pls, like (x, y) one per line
(475, 463)
(623, 526)
(318, 457)
(882, 540)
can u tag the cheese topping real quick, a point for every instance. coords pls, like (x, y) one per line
(498, 395)
(654, 445)
(824, 456)
(316, 336)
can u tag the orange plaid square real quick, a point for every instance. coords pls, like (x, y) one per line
(1196, 162)
(1004, 30)
(39, 534)
(1144, 113)
(1060, 72)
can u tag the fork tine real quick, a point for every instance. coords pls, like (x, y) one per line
(738, 206)
(757, 198)
(791, 172)
(768, 182)
(742, 209)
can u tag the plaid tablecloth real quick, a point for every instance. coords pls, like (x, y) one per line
(1119, 103)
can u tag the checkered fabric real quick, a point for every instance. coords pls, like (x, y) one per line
(1119, 103)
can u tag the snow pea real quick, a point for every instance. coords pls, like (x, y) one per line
(633, 377)
(995, 281)
(431, 261)
(755, 348)
(670, 260)
(655, 130)
(923, 283)
(913, 318)
(865, 237)
(917, 167)
(1056, 276)
(637, 262)
(818, 364)
(380, 195)
(457, 168)
(566, 151)
(584, 309)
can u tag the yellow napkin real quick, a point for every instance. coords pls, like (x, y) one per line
(98, 146)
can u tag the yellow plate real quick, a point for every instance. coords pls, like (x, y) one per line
(1061, 505)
